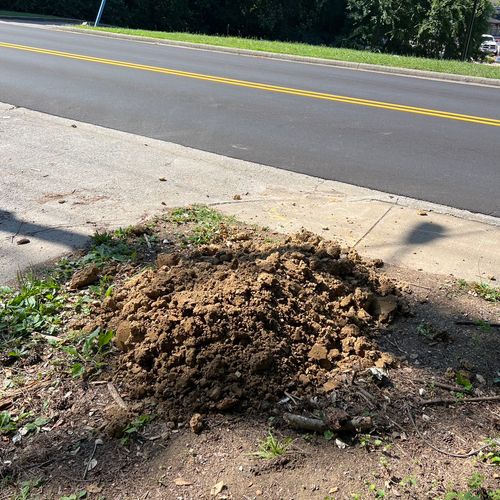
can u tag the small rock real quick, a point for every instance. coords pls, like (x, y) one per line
(61, 202)
(237, 197)
(217, 488)
(182, 482)
(423, 213)
(196, 423)
(23, 241)
(259, 493)
(162, 179)
(73, 126)
(480, 379)
(84, 277)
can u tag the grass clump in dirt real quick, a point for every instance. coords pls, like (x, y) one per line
(271, 447)
(484, 290)
(208, 225)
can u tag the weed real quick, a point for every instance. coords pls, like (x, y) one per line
(10, 424)
(432, 333)
(483, 290)
(475, 490)
(328, 435)
(493, 456)
(377, 493)
(408, 481)
(369, 442)
(27, 487)
(104, 288)
(35, 307)
(209, 225)
(135, 427)
(462, 379)
(106, 247)
(6, 423)
(486, 291)
(89, 351)
(270, 447)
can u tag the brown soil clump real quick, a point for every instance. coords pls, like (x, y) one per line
(225, 327)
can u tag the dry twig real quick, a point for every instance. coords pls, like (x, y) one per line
(449, 401)
(447, 453)
(114, 394)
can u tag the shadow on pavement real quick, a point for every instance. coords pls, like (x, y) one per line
(11, 228)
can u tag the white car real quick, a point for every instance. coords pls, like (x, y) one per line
(488, 45)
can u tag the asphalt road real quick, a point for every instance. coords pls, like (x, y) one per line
(312, 119)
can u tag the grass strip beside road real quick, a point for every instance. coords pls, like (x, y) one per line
(319, 51)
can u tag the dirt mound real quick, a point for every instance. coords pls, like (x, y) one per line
(234, 325)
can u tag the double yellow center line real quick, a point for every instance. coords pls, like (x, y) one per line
(263, 86)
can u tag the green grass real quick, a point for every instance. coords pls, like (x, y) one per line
(209, 225)
(270, 447)
(320, 51)
(484, 290)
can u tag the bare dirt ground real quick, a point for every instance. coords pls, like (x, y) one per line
(184, 343)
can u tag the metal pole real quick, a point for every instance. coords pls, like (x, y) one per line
(99, 14)
(469, 31)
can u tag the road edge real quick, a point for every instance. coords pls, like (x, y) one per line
(374, 68)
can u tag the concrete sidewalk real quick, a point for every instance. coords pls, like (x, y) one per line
(61, 180)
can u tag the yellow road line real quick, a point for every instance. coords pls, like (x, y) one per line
(263, 86)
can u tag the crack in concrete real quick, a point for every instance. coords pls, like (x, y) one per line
(374, 225)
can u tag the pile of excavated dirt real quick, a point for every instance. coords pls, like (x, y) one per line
(233, 326)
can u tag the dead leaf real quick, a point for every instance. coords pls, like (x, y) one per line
(92, 464)
(93, 488)
(217, 488)
(182, 482)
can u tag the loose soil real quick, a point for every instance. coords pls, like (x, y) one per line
(219, 343)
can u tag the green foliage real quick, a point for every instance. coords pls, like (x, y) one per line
(6, 423)
(35, 307)
(270, 447)
(430, 28)
(107, 247)
(462, 379)
(369, 442)
(486, 291)
(27, 488)
(328, 435)
(475, 490)
(135, 427)
(434, 28)
(209, 225)
(89, 351)
(25, 422)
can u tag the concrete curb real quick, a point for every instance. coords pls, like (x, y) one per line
(415, 73)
